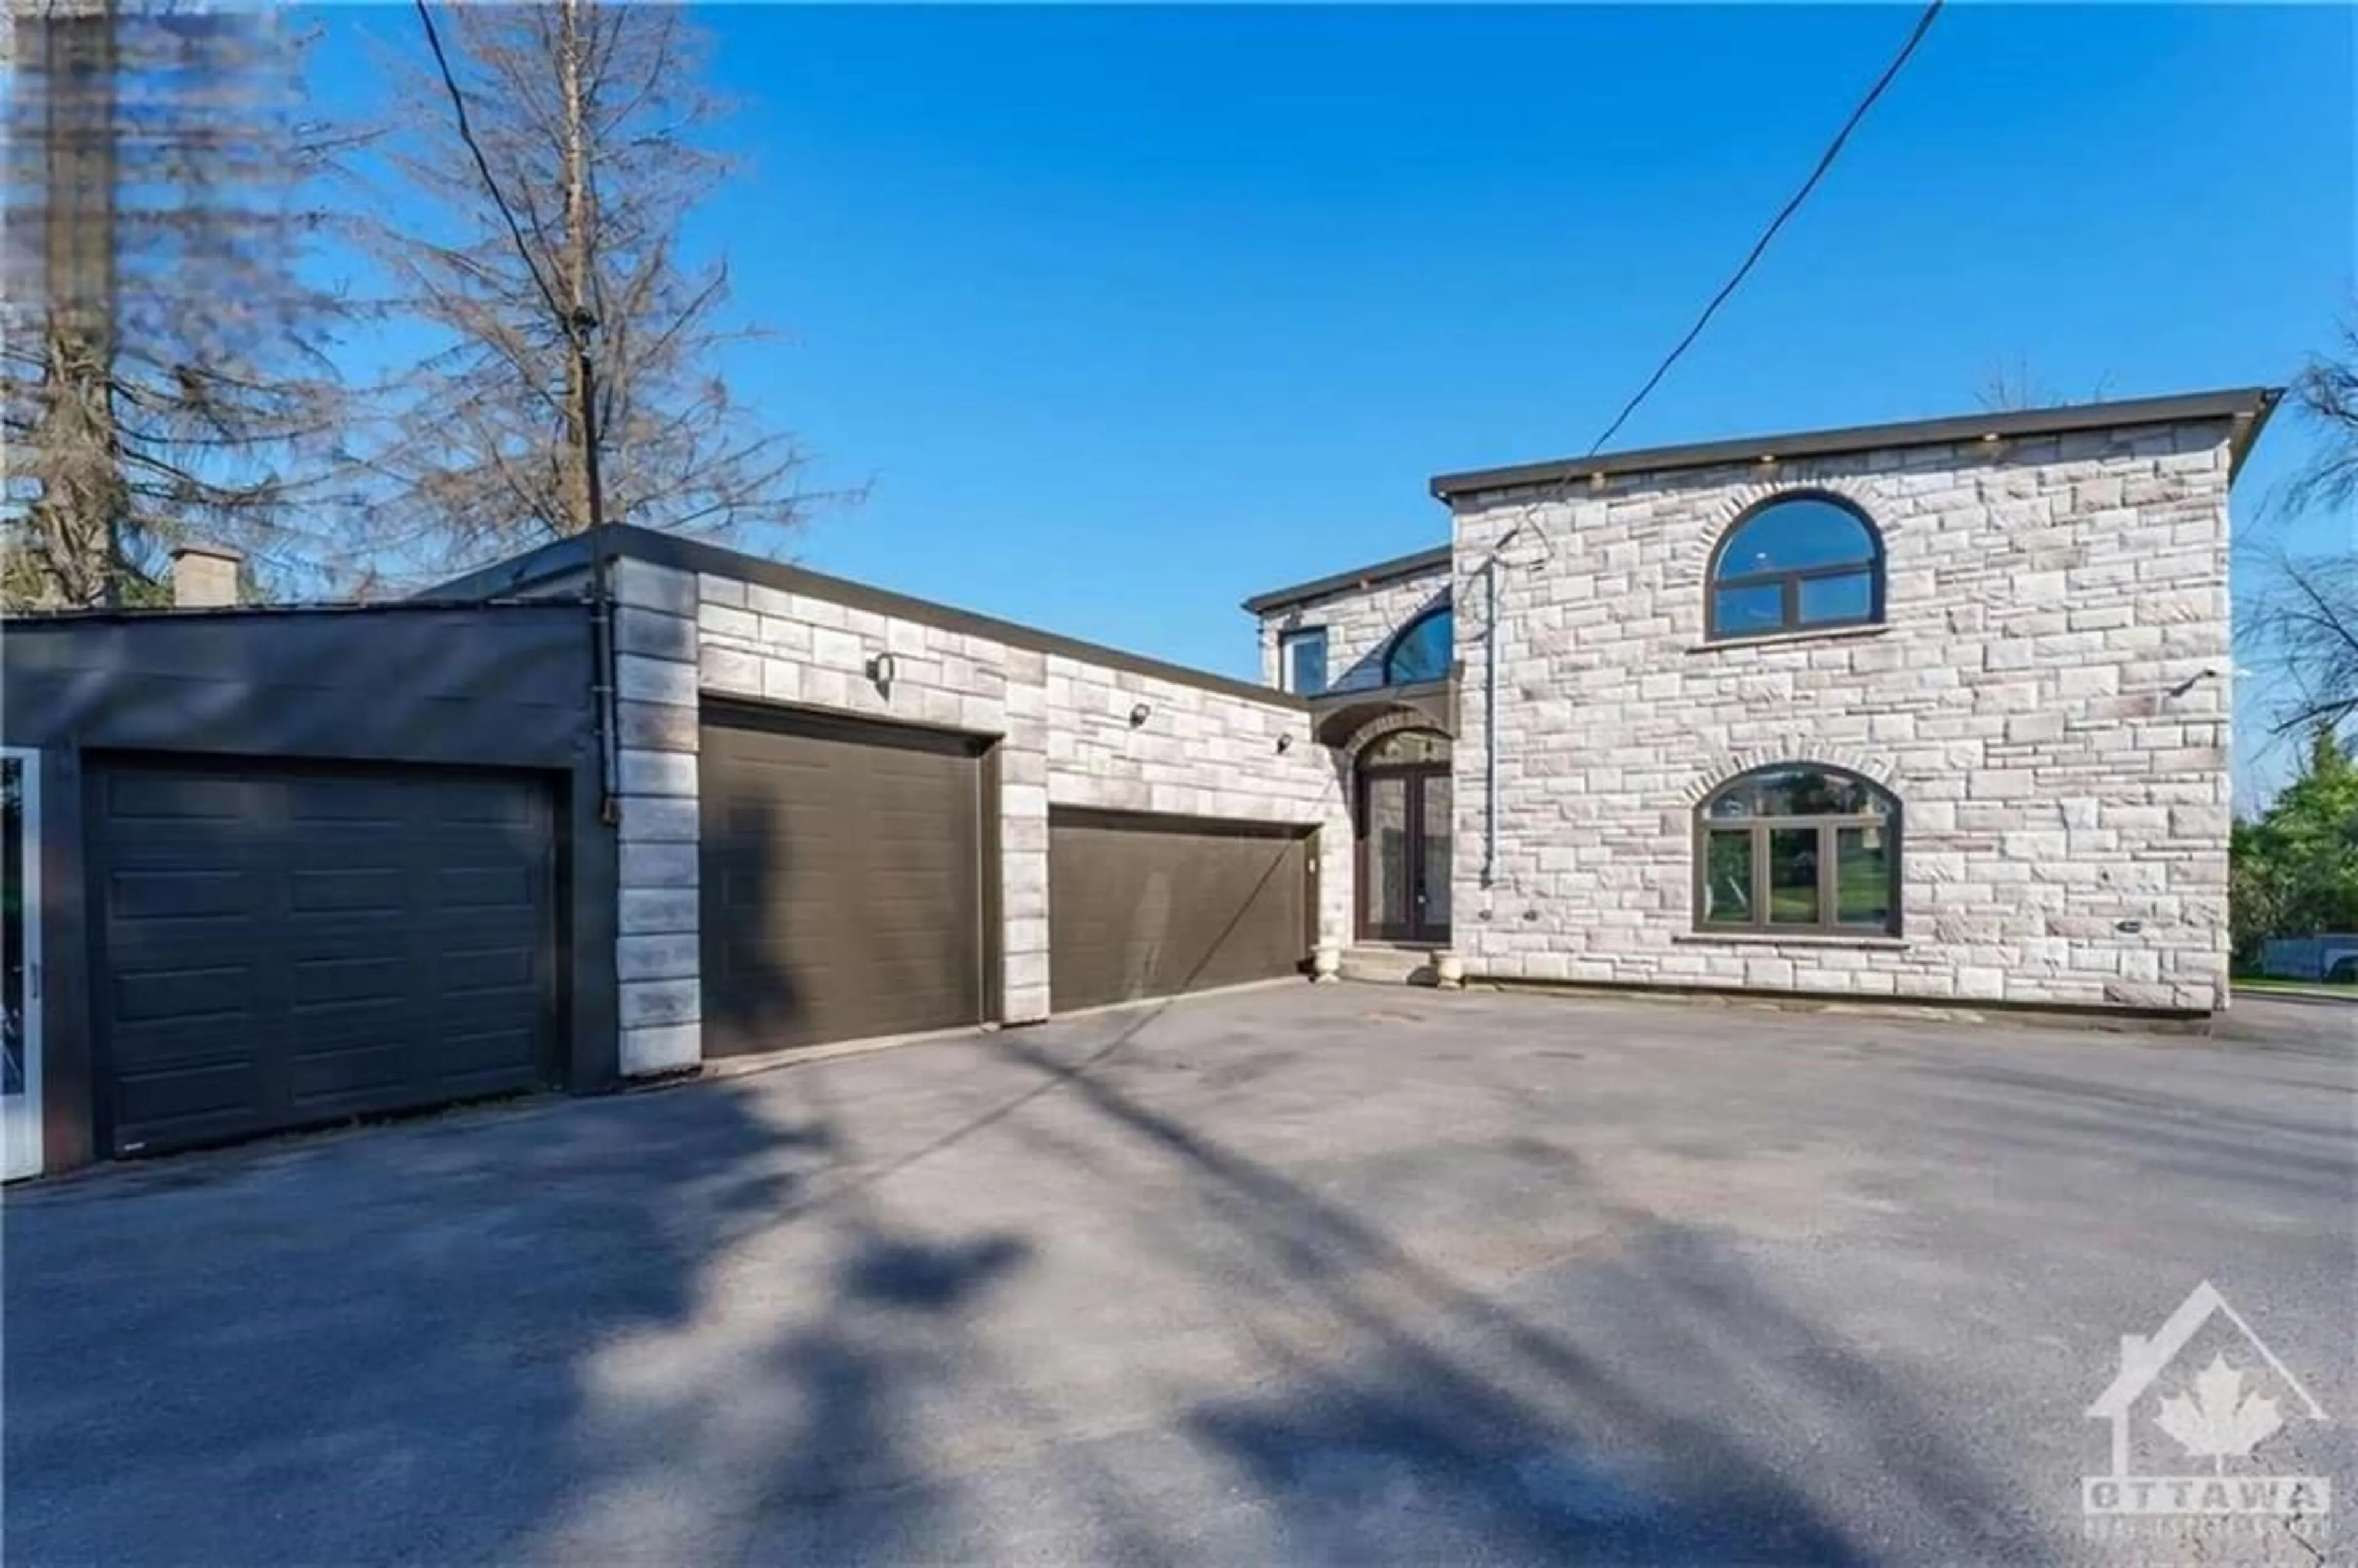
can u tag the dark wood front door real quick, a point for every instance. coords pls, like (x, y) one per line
(1404, 836)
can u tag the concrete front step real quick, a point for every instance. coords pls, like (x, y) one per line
(1389, 966)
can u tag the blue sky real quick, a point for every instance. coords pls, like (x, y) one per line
(1131, 312)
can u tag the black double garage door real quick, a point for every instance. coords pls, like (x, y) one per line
(280, 947)
(849, 889)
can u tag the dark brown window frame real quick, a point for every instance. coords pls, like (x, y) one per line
(1829, 830)
(1285, 639)
(1399, 639)
(1788, 618)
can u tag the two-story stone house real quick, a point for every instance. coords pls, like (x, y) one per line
(1935, 710)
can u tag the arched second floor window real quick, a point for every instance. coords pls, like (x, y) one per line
(1798, 848)
(1797, 563)
(1424, 649)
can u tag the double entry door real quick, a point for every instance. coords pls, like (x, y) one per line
(1404, 829)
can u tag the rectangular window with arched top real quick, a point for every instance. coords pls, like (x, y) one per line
(1796, 563)
(1798, 849)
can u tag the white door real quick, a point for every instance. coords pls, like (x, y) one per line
(20, 976)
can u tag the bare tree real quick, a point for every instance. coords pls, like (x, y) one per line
(558, 146)
(2005, 388)
(2326, 392)
(2302, 625)
(164, 368)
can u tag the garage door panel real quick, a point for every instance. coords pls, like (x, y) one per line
(352, 1067)
(345, 1028)
(344, 980)
(466, 1052)
(489, 970)
(350, 890)
(334, 950)
(1141, 906)
(189, 892)
(147, 798)
(206, 1099)
(489, 889)
(166, 1043)
(841, 878)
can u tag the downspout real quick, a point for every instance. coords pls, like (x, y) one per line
(602, 622)
(1490, 719)
(1490, 707)
(601, 573)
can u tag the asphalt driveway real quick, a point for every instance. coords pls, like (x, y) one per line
(1330, 1274)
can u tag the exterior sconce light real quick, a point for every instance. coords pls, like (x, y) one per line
(1137, 715)
(879, 670)
(1284, 743)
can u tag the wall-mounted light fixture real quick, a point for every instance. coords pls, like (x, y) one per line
(1137, 715)
(881, 669)
(1284, 743)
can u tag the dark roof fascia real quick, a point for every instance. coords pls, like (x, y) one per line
(27, 621)
(656, 548)
(518, 573)
(1392, 570)
(2249, 407)
(2246, 432)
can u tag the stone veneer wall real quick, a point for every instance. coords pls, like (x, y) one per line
(1064, 738)
(1360, 623)
(2064, 804)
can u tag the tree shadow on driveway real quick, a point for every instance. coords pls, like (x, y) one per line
(574, 1332)
(1417, 1418)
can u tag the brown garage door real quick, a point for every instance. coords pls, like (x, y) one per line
(282, 947)
(1141, 906)
(842, 880)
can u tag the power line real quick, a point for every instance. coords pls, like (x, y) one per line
(484, 167)
(1827, 162)
(577, 323)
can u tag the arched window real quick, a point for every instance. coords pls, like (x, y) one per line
(1796, 563)
(1423, 650)
(1798, 848)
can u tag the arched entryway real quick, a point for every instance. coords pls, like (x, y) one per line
(1402, 817)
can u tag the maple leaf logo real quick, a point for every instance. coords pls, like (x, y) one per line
(2219, 1421)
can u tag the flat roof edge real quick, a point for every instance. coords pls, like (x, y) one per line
(27, 621)
(657, 548)
(2249, 404)
(1399, 566)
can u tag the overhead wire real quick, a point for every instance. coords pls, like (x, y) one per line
(1818, 173)
(1494, 559)
(1784, 214)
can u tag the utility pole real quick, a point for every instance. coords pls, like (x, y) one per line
(584, 326)
(582, 323)
(579, 322)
